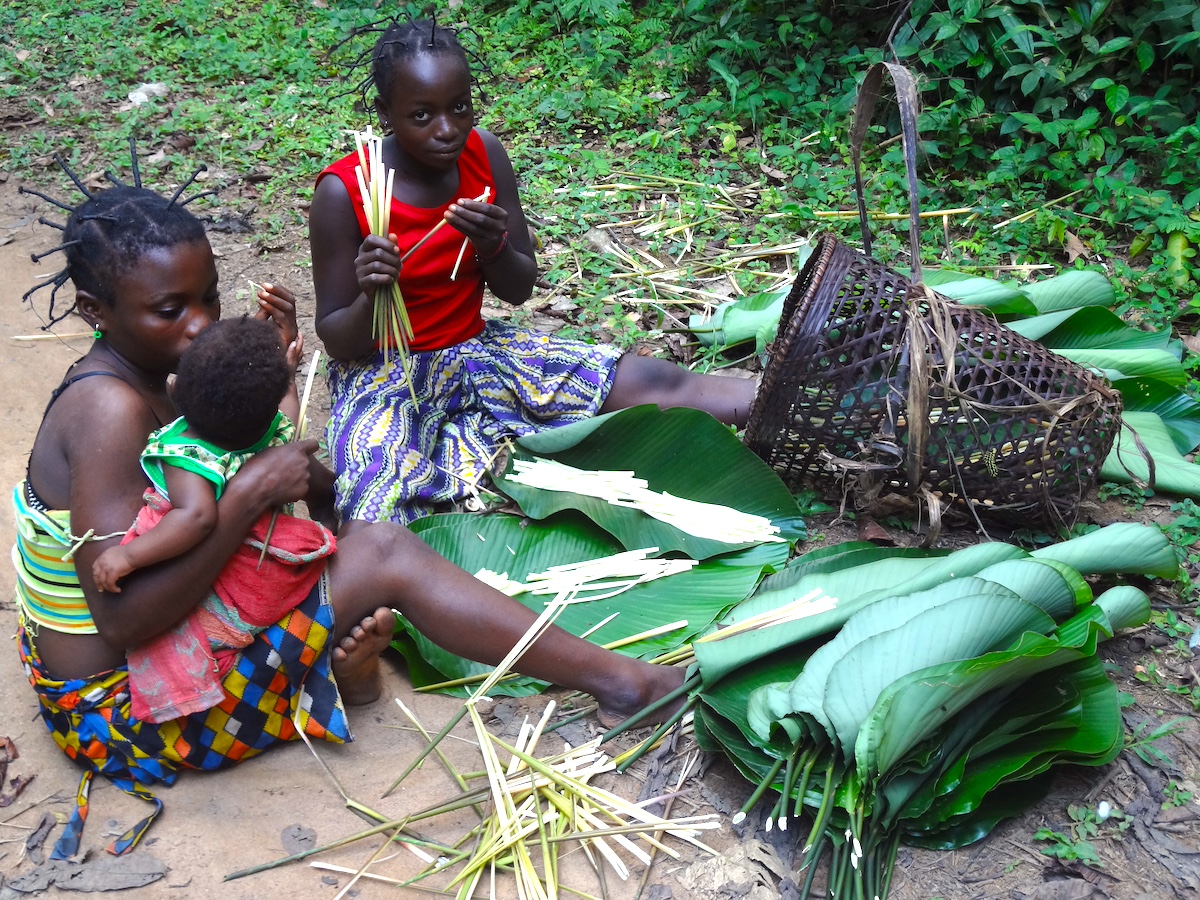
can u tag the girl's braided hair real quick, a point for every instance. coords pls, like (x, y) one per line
(108, 232)
(401, 39)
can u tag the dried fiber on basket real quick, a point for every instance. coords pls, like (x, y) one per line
(898, 391)
(896, 388)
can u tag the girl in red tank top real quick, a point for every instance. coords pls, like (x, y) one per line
(400, 453)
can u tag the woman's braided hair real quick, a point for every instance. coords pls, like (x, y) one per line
(108, 232)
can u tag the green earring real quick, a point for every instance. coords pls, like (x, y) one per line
(97, 333)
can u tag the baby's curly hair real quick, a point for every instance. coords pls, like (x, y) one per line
(231, 381)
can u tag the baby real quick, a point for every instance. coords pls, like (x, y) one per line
(237, 394)
(234, 385)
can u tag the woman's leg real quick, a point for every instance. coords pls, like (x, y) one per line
(379, 566)
(646, 379)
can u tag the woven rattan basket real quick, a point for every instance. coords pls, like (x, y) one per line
(864, 360)
(890, 389)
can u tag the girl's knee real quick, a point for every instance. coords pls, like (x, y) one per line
(646, 379)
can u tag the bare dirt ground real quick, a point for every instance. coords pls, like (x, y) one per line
(215, 824)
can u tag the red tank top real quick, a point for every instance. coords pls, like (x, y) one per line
(443, 312)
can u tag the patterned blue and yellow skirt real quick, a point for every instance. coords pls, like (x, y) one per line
(398, 460)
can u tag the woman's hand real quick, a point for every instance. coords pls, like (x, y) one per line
(275, 476)
(377, 264)
(295, 353)
(276, 304)
(483, 224)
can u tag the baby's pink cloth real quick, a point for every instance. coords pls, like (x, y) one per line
(177, 673)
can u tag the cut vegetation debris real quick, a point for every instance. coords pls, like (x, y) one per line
(539, 806)
(705, 520)
(668, 209)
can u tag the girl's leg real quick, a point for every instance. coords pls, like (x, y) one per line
(645, 379)
(379, 566)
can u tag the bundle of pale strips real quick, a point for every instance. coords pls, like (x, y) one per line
(567, 582)
(592, 579)
(390, 324)
(710, 521)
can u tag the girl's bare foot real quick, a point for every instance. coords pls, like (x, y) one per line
(654, 682)
(356, 657)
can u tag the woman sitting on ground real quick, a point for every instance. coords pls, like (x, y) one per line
(146, 281)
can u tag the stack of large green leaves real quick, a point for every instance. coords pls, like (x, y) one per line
(921, 696)
(925, 713)
(681, 451)
(1070, 314)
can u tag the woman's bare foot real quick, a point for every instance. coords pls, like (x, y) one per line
(356, 657)
(653, 683)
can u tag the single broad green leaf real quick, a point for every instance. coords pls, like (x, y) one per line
(1121, 548)
(1071, 290)
(553, 440)
(846, 555)
(420, 672)
(833, 561)
(1088, 328)
(747, 321)
(738, 321)
(1162, 365)
(731, 80)
(1124, 606)
(507, 544)
(1116, 97)
(715, 733)
(1053, 587)
(1143, 240)
(914, 705)
(996, 807)
(1145, 55)
(683, 452)
(1144, 434)
(854, 575)
(972, 290)
(1178, 411)
(734, 698)
(939, 638)
(1018, 33)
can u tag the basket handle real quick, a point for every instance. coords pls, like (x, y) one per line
(906, 98)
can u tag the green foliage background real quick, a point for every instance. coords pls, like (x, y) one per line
(1082, 115)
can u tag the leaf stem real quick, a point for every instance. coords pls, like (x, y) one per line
(759, 791)
(665, 700)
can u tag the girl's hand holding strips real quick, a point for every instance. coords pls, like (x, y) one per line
(485, 225)
(377, 264)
